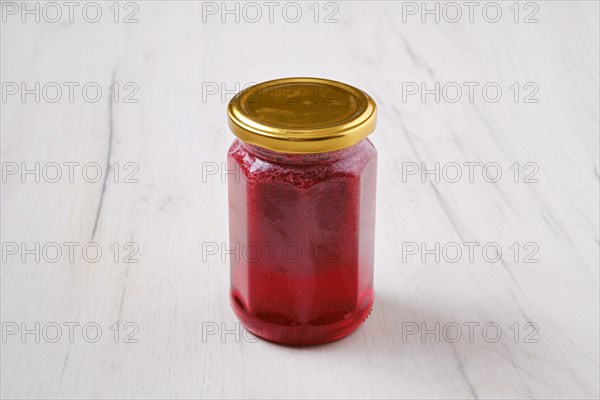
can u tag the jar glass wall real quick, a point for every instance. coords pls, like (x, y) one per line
(303, 225)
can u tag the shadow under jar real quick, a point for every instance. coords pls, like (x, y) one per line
(302, 180)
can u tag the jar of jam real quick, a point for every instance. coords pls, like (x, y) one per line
(302, 209)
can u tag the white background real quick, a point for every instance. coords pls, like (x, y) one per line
(187, 64)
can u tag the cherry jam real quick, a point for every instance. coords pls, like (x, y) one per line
(303, 229)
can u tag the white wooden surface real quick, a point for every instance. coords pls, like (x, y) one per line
(177, 291)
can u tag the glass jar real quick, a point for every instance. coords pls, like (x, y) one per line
(302, 209)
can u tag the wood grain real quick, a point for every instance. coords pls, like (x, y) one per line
(189, 344)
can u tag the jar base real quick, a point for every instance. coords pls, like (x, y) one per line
(282, 330)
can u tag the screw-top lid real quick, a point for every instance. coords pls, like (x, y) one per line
(302, 115)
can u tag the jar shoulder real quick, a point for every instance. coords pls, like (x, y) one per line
(256, 168)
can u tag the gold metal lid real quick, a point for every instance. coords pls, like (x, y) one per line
(302, 115)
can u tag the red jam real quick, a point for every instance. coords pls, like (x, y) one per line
(305, 226)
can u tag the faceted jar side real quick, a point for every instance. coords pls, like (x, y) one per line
(304, 227)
